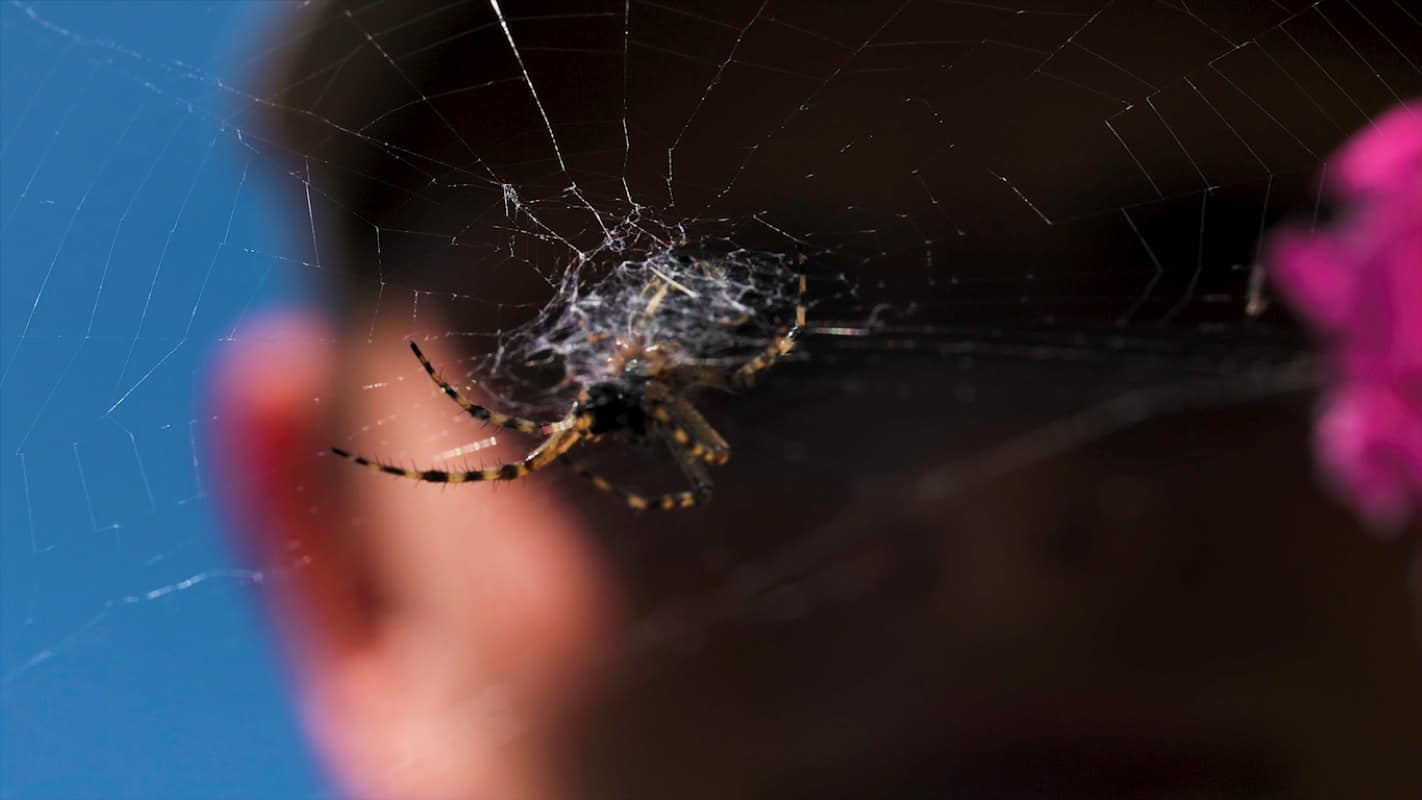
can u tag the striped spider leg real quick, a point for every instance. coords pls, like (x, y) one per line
(562, 436)
(687, 429)
(784, 341)
(554, 446)
(694, 470)
(479, 412)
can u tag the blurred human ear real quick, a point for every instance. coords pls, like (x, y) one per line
(268, 425)
(439, 637)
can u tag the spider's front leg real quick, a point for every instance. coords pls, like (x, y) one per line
(476, 411)
(548, 452)
(784, 341)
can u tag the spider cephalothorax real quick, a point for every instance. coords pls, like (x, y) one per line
(641, 399)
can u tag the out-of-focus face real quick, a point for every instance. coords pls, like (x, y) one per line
(1037, 544)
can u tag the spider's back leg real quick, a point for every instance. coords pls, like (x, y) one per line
(694, 470)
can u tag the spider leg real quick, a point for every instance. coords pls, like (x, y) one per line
(665, 502)
(784, 342)
(694, 470)
(479, 412)
(545, 454)
(686, 375)
(684, 427)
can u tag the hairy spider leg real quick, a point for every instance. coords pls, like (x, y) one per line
(783, 343)
(545, 454)
(479, 412)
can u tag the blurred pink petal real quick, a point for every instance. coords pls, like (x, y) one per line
(1359, 285)
(1309, 269)
(1378, 159)
(1370, 440)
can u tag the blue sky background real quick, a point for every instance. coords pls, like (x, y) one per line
(136, 236)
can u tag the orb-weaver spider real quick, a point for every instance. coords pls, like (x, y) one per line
(642, 401)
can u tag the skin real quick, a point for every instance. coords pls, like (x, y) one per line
(398, 640)
(914, 577)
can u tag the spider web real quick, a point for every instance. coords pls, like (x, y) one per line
(1074, 189)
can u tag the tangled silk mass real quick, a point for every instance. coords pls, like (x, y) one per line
(1358, 285)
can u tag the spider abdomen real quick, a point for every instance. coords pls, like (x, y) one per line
(612, 408)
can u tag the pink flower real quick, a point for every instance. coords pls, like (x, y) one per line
(1359, 284)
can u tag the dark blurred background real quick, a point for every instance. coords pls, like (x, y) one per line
(1055, 530)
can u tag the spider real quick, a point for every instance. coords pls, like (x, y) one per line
(643, 402)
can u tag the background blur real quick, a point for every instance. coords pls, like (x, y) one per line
(1074, 190)
(132, 661)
